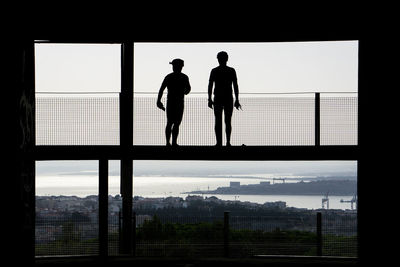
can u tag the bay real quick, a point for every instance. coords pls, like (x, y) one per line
(165, 186)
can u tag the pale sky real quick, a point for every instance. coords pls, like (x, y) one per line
(277, 67)
(261, 67)
(77, 68)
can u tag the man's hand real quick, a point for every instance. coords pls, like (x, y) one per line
(237, 105)
(210, 103)
(160, 105)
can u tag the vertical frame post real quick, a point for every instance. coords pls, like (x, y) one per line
(120, 232)
(126, 143)
(126, 192)
(103, 208)
(24, 88)
(317, 119)
(133, 233)
(126, 97)
(226, 233)
(319, 234)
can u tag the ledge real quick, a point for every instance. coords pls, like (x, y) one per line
(287, 261)
(252, 153)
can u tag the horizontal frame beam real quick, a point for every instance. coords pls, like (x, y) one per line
(252, 153)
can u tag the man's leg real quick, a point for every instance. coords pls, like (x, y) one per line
(228, 130)
(228, 110)
(218, 124)
(168, 132)
(175, 133)
(176, 123)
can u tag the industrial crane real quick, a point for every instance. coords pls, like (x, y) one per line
(325, 199)
(351, 201)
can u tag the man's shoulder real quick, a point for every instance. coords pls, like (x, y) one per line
(223, 68)
(231, 69)
(175, 74)
(169, 75)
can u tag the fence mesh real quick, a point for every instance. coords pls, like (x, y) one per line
(339, 234)
(61, 236)
(272, 235)
(339, 117)
(203, 236)
(183, 236)
(77, 120)
(265, 120)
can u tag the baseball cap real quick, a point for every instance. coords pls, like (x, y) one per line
(177, 61)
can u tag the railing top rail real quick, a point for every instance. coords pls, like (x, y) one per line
(75, 93)
(197, 93)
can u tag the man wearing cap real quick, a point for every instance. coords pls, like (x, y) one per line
(223, 77)
(178, 86)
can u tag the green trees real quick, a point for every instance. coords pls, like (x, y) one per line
(157, 238)
(243, 242)
(154, 229)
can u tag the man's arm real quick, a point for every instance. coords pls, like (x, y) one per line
(210, 87)
(236, 91)
(188, 87)
(160, 93)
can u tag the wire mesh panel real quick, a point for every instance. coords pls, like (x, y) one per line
(198, 122)
(339, 116)
(203, 236)
(263, 121)
(266, 120)
(77, 120)
(274, 121)
(272, 235)
(339, 234)
(197, 127)
(182, 236)
(65, 236)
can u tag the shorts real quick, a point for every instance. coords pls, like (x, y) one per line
(175, 111)
(225, 104)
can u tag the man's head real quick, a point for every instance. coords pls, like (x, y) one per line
(222, 57)
(177, 64)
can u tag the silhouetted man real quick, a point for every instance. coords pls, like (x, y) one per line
(178, 86)
(223, 77)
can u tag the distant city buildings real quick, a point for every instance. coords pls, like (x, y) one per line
(235, 184)
(276, 204)
(55, 206)
(56, 215)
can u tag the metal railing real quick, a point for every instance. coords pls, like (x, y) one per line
(313, 234)
(298, 119)
(62, 237)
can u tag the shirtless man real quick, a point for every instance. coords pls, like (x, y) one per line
(223, 77)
